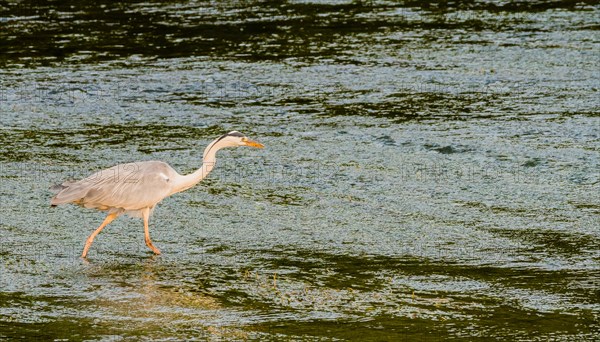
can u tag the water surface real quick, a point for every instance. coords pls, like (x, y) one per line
(431, 170)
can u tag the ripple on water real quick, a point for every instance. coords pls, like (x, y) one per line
(429, 167)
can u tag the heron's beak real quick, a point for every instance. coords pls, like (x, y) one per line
(253, 143)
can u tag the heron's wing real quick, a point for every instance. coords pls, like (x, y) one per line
(129, 186)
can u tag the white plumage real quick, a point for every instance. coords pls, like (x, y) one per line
(136, 188)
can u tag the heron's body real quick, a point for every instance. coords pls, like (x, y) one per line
(122, 188)
(136, 188)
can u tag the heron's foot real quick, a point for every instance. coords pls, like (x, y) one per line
(86, 248)
(152, 247)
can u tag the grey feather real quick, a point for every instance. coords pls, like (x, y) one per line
(124, 187)
(136, 188)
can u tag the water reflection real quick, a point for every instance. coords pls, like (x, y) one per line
(52, 32)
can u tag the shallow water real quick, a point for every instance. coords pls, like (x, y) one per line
(431, 170)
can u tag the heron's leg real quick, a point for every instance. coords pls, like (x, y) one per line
(109, 218)
(146, 215)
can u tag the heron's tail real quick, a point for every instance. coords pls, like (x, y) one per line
(66, 192)
(56, 188)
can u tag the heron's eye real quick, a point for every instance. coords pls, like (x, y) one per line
(244, 139)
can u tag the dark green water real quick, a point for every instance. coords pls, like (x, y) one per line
(431, 172)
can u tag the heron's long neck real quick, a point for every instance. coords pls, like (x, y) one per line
(208, 163)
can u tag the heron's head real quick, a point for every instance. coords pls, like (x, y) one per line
(231, 139)
(235, 138)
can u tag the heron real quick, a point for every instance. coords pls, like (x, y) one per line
(136, 188)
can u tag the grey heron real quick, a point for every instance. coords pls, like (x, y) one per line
(136, 188)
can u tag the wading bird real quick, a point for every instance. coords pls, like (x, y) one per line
(136, 188)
